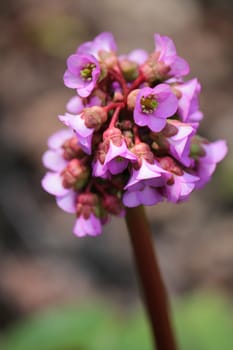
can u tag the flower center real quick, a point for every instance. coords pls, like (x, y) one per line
(148, 104)
(86, 72)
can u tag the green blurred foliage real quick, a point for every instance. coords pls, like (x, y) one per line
(201, 322)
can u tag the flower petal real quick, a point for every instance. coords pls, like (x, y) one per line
(67, 202)
(53, 160)
(56, 140)
(52, 183)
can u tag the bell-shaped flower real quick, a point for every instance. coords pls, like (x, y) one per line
(179, 187)
(53, 158)
(188, 103)
(141, 187)
(167, 56)
(179, 142)
(77, 123)
(206, 165)
(90, 226)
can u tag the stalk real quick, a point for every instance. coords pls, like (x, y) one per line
(153, 289)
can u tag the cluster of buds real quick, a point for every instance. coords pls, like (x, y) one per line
(131, 133)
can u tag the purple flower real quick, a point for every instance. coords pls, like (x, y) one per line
(214, 153)
(143, 195)
(166, 51)
(154, 105)
(76, 104)
(99, 170)
(179, 187)
(90, 226)
(179, 143)
(77, 123)
(118, 157)
(102, 42)
(82, 74)
(188, 104)
(150, 174)
(141, 186)
(53, 157)
(138, 56)
(52, 182)
(116, 161)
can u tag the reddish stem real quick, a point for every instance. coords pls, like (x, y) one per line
(117, 75)
(113, 105)
(140, 79)
(152, 284)
(115, 117)
(136, 135)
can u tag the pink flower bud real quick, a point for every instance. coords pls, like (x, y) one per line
(94, 117)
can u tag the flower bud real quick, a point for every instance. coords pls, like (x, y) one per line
(169, 130)
(113, 134)
(142, 150)
(112, 204)
(154, 70)
(131, 99)
(129, 69)
(75, 175)
(109, 59)
(87, 203)
(72, 149)
(94, 117)
(169, 164)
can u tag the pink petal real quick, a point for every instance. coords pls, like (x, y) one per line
(130, 199)
(165, 45)
(67, 202)
(71, 81)
(139, 56)
(75, 105)
(56, 140)
(156, 124)
(52, 183)
(215, 151)
(53, 160)
(149, 196)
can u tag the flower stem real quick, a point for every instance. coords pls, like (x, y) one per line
(115, 117)
(153, 288)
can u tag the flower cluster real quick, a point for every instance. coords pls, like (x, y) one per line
(131, 133)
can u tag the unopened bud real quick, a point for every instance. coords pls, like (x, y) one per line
(154, 70)
(169, 164)
(109, 59)
(94, 117)
(170, 129)
(131, 99)
(75, 175)
(113, 204)
(118, 96)
(72, 149)
(142, 150)
(87, 203)
(129, 69)
(113, 134)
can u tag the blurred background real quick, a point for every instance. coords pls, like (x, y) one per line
(58, 292)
